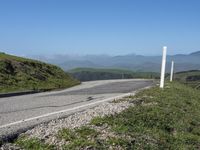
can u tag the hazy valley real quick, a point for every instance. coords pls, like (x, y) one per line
(132, 62)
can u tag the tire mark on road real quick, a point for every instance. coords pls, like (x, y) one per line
(90, 98)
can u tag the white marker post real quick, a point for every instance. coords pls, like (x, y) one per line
(162, 76)
(172, 71)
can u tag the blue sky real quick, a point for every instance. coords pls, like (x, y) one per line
(99, 26)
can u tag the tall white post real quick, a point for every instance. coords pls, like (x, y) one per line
(162, 76)
(172, 71)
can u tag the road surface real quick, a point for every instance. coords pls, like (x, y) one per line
(20, 113)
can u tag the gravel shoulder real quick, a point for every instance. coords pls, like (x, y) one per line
(17, 114)
(47, 132)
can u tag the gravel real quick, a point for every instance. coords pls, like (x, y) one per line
(47, 131)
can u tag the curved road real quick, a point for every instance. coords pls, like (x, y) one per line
(19, 113)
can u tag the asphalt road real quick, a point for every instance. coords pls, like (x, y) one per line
(20, 113)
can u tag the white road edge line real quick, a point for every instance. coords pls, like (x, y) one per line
(66, 110)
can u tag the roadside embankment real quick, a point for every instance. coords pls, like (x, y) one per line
(20, 75)
(152, 119)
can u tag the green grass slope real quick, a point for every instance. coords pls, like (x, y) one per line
(191, 78)
(87, 74)
(162, 119)
(21, 74)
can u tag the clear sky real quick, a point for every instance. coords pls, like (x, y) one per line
(99, 26)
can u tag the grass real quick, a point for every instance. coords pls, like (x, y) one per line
(161, 119)
(66, 134)
(33, 144)
(117, 141)
(78, 138)
(97, 121)
(190, 78)
(86, 132)
(19, 74)
(173, 123)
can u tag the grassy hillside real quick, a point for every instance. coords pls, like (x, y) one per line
(162, 119)
(191, 78)
(87, 74)
(21, 74)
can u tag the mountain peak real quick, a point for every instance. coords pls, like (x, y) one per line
(197, 53)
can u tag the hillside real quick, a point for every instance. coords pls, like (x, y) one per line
(21, 74)
(191, 78)
(89, 74)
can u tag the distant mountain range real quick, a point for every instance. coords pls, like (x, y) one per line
(133, 62)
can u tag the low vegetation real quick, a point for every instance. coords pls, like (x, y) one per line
(166, 119)
(190, 78)
(88, 74)
(21, 74)
(79, 137)
(160, 119)
(33, 144)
